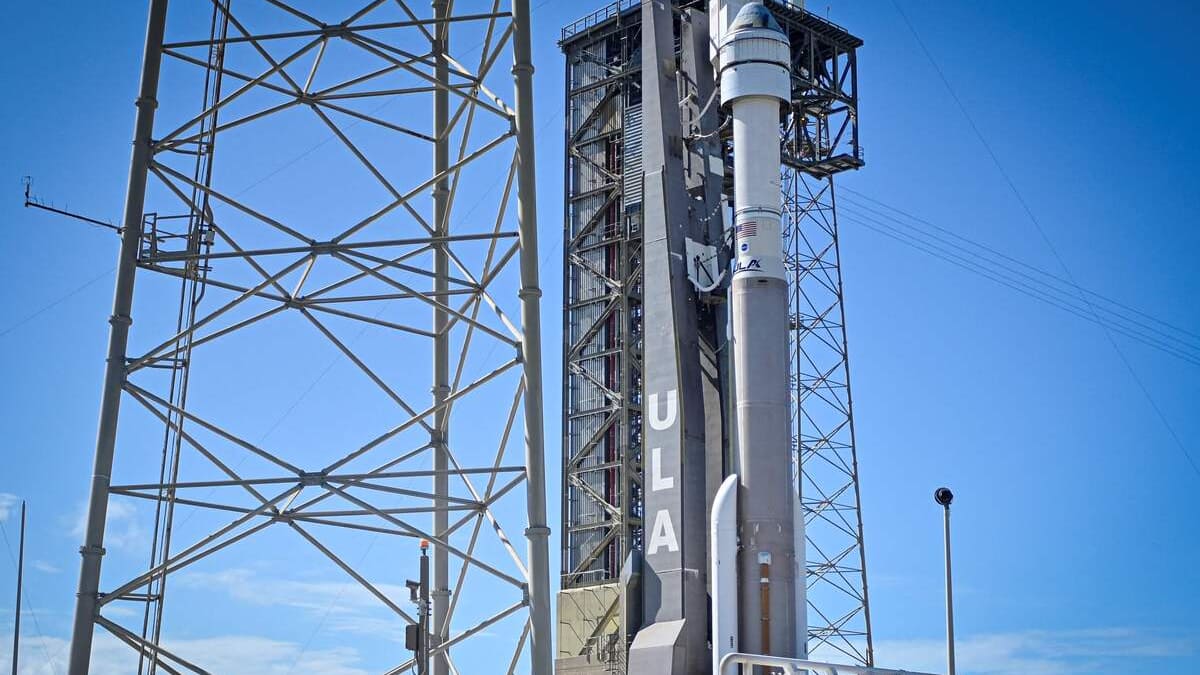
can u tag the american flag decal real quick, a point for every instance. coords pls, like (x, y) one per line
(748, 229)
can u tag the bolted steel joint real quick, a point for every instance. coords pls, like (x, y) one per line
(97, 551)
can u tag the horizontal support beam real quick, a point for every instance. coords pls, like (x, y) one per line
(340, 30)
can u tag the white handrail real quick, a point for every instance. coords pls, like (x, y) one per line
(793, 666)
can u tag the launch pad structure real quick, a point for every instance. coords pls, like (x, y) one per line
(369, 257)
(630, 148)
(372, 257)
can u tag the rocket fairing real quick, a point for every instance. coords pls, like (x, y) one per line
(754, 57)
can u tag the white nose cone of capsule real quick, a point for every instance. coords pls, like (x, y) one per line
(755, 60)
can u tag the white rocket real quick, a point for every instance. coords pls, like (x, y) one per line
(757, 527)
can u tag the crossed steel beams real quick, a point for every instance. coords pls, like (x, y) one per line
(459, 293)
(839, 612)
(601, 386)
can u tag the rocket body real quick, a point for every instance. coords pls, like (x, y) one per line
(755, 81)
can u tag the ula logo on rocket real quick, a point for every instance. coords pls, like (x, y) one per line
(751, 265)
(662, 532)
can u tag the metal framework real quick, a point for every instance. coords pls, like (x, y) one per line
(368, 256)
(820, 140)
(602, 440)
(602, 382)
(602, 324)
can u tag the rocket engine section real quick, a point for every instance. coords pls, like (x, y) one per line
(755, 80)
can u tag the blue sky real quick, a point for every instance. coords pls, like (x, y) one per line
(1066, 444)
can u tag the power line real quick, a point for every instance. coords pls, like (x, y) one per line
(55, 303)
(1022, 287)
(1009, 258)
(1046, 239)
(1188, 350)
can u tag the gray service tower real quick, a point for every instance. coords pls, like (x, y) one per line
(702, 302)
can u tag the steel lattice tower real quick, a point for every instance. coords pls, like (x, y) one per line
(369, 256)
(821, 140)
(839, 612)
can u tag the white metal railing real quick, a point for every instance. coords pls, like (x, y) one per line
(731, 662)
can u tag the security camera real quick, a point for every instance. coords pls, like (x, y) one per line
(943, 496)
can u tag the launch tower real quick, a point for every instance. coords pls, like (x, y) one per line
(647, 398)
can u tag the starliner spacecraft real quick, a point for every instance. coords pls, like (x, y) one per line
(696, 132)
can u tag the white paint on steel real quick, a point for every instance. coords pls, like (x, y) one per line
(657, 480)
(662, 534)
(666, 422)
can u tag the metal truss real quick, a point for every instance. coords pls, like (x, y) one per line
(820, 140)
(823, 424)
(602, 381)
(257, 284)
(824, 138)
(602, 323)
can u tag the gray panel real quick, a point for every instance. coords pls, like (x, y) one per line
(680, 391)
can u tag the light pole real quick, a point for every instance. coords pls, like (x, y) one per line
(944, 496)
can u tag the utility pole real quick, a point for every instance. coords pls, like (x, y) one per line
(20, 578)
(944, 496)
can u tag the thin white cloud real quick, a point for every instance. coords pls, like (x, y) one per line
(45, 567)
(1040, 652)
(124, 530)
(247, 586)
(8, 506)
(343, 605)
(228, 655)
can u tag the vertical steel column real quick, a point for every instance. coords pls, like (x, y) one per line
(441, 340)
(20, 579)
(92, 551)
(949, 601)
(538, 534)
